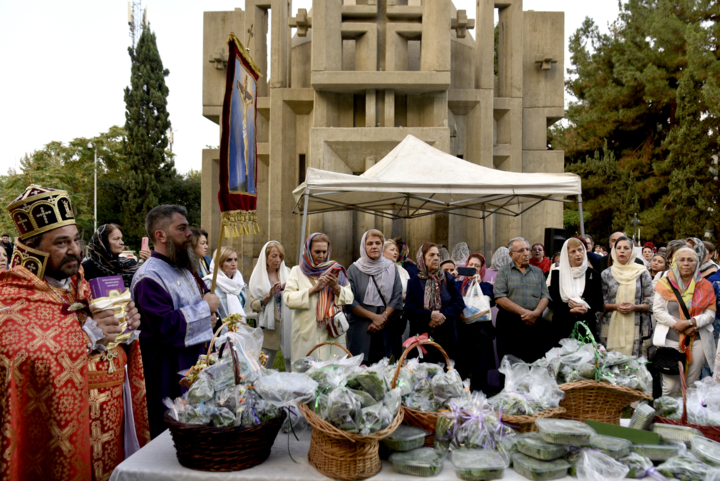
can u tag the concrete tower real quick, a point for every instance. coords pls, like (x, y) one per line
(358, 76)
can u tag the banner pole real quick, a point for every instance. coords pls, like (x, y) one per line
(217, 256)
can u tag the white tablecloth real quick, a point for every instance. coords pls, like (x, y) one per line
(158, 462)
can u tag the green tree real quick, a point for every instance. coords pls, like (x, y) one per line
(184, 190)
(627, 85)
(146, 121)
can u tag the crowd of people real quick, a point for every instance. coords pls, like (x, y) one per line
(65, 374)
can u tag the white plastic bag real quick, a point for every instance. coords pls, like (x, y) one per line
(596, 466)
(477, 305)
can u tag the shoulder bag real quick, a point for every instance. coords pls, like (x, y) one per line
(665, 359)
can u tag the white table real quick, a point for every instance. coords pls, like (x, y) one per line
(158, 462)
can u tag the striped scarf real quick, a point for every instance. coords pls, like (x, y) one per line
(326, 308)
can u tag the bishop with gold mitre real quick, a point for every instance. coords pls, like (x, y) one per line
(73, 404)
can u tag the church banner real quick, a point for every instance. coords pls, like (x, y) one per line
(238, 146)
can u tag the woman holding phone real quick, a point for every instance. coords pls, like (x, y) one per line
(103, 255)
(315, 291)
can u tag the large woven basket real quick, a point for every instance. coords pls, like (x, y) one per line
(526, 424)
(342, 455)
(413, 417)
(597, 401)
(231, 448)
(711, 432)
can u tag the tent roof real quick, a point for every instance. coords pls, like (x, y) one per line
(416, 179)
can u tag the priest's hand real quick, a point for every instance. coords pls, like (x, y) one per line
(109, 324)
(212, 300)
(132, 316)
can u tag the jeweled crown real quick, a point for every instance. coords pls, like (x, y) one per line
(39, 210)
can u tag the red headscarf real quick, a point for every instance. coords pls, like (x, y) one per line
(481, 273)
(543, 264)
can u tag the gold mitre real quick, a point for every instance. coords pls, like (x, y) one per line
(39, 210)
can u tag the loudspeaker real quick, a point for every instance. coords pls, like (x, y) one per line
(554, 240)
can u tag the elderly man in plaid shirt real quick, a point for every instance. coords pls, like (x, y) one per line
(521, 295)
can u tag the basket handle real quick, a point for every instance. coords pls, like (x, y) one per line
(330, 343)
(683, 384)
(217, 333)
(410, 348)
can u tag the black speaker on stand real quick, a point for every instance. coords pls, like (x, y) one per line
(554, 240)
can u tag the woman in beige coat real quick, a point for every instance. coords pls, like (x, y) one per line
(314, 291)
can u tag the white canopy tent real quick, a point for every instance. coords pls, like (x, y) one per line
(416, 180)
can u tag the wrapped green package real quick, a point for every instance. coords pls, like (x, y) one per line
(531, 444)
(370, 419)
(222, 417)
(447, 385)
(614, 447)
(369, 381)
(685, 467)
(537, 470)
(637, 464)
(423, 462)
(668, 407)
(658, 452)
(200, 391)
(479, 464)
(706, 450)
(642, 416)
(366, 400)
(405, 438)
(671, 432)
(343, 410)
(564, 431)
(304, 364)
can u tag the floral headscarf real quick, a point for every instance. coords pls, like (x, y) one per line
(431, 299)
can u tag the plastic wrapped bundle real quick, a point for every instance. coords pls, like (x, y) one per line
(671, 432)
(703, 403)
(713, 474)
(614, 447)
(668, 407)
(658, 452)
(201, 391)
(446, 385)
(222, 417)
(423, 462)
(537, 470)
(304, 364)
(479, 464)
(564, 431)
(532, 445)
(343, 410)
(369, 381)
(596, 466)
(642, 417)
(706, 450)
(421, 402)
(405, 438)
(527, 391)
(685, 467)
(637, 464)
(286, 388)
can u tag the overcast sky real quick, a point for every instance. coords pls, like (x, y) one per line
(65, 65)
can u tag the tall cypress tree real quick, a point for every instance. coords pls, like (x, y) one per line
(146, 121)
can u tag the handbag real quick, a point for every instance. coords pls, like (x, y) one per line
(665, 359)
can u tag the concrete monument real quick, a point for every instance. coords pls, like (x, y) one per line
(348, 80)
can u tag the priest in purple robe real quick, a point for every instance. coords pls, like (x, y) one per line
(178, 312)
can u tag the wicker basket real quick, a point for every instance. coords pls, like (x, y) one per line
(342, 455)
(231, 448)
(526, 424)
(413, 417)
(597, 401)
(710, 432)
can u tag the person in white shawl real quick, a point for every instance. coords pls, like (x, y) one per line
(230, 286)
(576, 291)
(267, 283)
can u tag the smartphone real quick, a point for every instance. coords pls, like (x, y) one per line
(144, 246)
(466, 271)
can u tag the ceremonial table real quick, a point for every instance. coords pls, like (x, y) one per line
(157, 461)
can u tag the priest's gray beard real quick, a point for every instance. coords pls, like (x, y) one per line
(182, 255)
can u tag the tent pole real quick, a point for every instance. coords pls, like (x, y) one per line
(484, 241)
(303, 225)
(582, 219)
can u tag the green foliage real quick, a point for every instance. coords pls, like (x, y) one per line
(571, 219)
(647, 94)
(147, 122)
(184, 190)
(68, 167)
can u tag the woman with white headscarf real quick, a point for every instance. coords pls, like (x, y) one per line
(230, 286)
(377, 292)
(576, 291)
(628, 298)
(267, 283)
